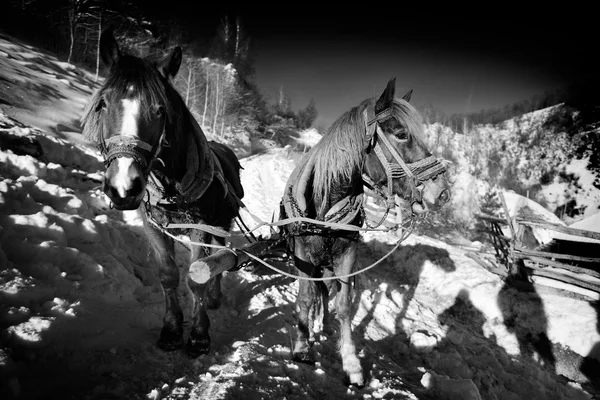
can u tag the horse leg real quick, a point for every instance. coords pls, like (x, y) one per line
(304, 306)
(171, 334)
(324, 292)
(304, 311)
(350, 362)
(205, 297)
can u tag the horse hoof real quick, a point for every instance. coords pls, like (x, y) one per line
(169, 341)
(304, 358)
(357, 382)
(197, 347)
(169, 345)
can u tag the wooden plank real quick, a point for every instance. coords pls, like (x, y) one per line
(566, 279)
(535, 253)
(490, 266)
(490, 218)
(552, 286)
(507, 215)
(559, 228)
(532, 262)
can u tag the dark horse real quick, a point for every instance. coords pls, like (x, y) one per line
(377, 144)
(158, 160)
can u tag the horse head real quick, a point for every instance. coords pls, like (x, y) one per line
(397, 158)
(128, 118)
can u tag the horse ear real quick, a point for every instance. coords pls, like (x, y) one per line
(387, 97)
(109, 49)
(170, 65)
(407, 96)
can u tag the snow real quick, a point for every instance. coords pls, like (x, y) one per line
(588, 196)
(524, 152)
(591, 223)
(309, 137)
(81, 304)
(515, 203)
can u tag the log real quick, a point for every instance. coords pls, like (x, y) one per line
(202, 270)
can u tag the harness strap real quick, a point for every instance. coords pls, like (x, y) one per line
(416, 172)
(415, 193)
(389, 173)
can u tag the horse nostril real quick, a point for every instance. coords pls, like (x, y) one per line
(136, 187)
(444, 197)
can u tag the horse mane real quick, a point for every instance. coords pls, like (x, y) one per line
(340, 153)
(152, 89)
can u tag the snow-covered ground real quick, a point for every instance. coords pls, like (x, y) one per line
(81, 304)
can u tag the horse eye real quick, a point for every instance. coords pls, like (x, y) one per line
(160, 111)
(401, 134)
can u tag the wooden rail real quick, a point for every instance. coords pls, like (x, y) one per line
(559, 228)
(514, 258)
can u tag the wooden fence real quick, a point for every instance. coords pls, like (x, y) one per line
(513, 259)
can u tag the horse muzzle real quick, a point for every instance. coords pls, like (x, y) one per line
(124, 183)
(430, 203)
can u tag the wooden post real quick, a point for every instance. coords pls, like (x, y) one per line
(513, 262)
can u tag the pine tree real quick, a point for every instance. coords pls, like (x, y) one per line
(308, 115)
(490, 205)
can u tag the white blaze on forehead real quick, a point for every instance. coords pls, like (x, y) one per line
(122, 181)
(131, 112)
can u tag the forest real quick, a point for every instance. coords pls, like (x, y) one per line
(217, 77)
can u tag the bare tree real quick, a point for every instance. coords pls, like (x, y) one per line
(77, 10)
(205, 100)
(216, 103)
(98, 46)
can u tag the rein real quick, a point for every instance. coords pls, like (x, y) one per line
(416, 173)
(407, 232)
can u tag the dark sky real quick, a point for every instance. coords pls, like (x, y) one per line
(458, 59)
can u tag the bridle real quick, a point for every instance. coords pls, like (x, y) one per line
(415, 173)
(128, 146)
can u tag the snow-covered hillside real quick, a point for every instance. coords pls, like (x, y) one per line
(520, 154)
(81, 304)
